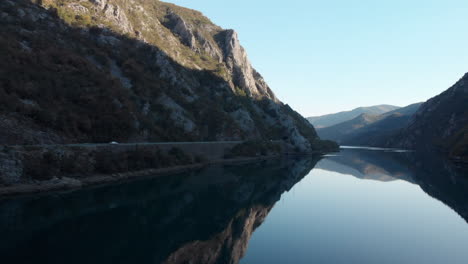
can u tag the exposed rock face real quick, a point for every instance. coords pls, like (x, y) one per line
(182, 29)
(244, 76)
(210, 48)
(227, 49)
(440, 123)
(178, 114)
(135, 70)
(11, 169)
(100, 3)
(245, 120)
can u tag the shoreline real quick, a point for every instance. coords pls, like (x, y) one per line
(72, 184)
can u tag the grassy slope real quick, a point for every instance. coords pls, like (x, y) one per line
(147, 21)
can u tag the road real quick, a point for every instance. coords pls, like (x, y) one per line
(130, 144)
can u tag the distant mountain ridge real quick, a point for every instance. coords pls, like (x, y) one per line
(367, 129)
(439, 124)
(336, 118)
(341, 130)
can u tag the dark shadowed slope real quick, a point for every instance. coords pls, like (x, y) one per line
(441, 123)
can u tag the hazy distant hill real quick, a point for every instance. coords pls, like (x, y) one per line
(344, 129)
(369, 130)
(333, 119)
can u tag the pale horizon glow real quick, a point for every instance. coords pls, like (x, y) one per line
(326, 57)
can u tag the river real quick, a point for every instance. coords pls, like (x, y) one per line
(357, 206)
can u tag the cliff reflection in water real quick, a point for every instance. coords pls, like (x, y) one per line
(206, 216)
(437, 176)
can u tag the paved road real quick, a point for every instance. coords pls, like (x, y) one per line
(132, 144)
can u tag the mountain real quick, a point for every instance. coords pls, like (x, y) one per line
(339, 131)
(407, 110)
(333, 119)
(441, 123)
(369, 130)
(74, 71)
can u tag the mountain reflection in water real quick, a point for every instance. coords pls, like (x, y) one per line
(201, 217)
(436, 176)
(206, 216)
(369, 206)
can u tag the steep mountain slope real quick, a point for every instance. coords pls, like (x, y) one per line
(369, 130)
(131, 70)
(333, 119)
(440, 123)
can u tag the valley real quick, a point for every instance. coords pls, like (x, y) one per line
(144, 131)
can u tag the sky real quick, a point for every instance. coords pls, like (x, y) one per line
(323, 57)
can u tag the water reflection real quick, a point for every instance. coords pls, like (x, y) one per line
(437, 176)
(369, 206)
(368, 164)
(206, 216)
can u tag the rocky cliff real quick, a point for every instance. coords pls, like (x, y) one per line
(441, 124)
(130, 71)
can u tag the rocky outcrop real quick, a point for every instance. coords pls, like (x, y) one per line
(227, 49)
(11, 169)
(182, 29)
(243, 75)
(111, 12)
(209, 47)
(178, 114)
(116, 16)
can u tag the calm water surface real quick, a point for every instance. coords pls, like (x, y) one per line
(357, 206)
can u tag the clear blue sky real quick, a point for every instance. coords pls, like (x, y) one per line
(328, 56)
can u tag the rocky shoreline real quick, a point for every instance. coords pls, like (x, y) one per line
(70, 184)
